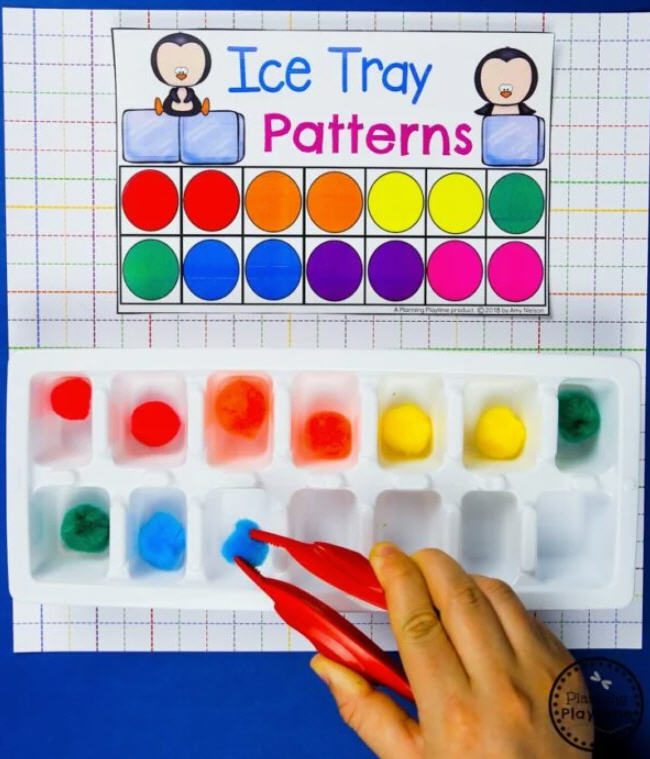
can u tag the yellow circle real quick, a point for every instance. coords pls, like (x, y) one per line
(456, 203)
(406, 431)
(499, 433)
(395, 201)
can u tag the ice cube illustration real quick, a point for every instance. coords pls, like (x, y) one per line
(516, 140)
(217, 138)
(149, 138)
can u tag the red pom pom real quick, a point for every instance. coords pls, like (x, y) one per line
(329, 435)
(154, 423)
(241, 407)
(70, 398)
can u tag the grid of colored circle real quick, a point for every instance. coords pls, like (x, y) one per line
(454, 207)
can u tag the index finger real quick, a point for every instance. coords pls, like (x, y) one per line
(429, 659)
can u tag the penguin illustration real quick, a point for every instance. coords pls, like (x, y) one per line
(181, 61)
(505, 79)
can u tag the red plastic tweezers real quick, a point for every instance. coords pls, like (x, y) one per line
(329, 632)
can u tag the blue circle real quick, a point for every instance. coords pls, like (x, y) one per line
(273, 269)
(211, 269)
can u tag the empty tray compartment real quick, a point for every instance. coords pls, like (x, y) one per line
(490, 534)
(576, 538)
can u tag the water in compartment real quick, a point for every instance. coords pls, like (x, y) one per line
(408, 403)
(49, 558)
(143, 504)
(412, 519)
(521, 396)
(597, 453)
(489, 534)
(132, 391)
(239, 420)
(325, 416)
(576, 538)
(221, 511)
(327, 515)
(60, 426)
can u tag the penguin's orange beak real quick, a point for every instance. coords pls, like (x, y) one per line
(181, 75)
(505, 90)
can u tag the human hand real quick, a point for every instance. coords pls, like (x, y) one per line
(480, 666)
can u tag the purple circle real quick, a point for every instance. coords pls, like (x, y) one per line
(334, 270)
(395, 270)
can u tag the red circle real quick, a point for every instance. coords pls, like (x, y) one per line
(70, 398)
(154, 423)
(150, 200)
(211, 200)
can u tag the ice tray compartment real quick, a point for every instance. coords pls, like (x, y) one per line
(598, 453)
(413, 519)
(49, 558)
(574, 538)
(490, 534)
(322, 392)
(143, 504)
(239, 428)
(222, 509)
(55, 440)
(559, 525)
(327, 515)
(128, 392)
(521, 395)
(427, 393)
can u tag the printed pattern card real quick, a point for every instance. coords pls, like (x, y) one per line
(333, 171)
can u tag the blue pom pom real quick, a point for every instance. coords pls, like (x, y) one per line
(161, 541)
(240, 543)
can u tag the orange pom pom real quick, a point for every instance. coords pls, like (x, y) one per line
(241, 407)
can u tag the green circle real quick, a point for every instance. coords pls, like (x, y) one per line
(516, 203)
(85, 528)
(150, 269)
(578, 416)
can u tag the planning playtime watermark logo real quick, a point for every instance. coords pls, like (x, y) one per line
(594, 701)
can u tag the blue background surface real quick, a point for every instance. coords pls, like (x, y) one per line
(205, 705)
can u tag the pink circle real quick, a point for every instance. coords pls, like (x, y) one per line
(455, 270)
(515, 271)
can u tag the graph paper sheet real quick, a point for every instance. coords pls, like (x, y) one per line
(60, 182)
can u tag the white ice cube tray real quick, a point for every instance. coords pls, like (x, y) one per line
(558, 522)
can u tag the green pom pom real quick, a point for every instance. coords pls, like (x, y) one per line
(579, 418)
(85, 528)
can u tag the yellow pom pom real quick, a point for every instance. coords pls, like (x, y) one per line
(406, 431)
(500, 433)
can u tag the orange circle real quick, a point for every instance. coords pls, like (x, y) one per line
(334, 201)
(273, 201)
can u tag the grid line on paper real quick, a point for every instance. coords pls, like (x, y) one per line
(61, 258)
(94, 206)
(66, 310)
(595, 215)
(623, 230)
(36, 172)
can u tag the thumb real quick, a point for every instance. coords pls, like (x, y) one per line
(380, 723)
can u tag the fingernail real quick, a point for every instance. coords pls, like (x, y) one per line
(381, 550)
